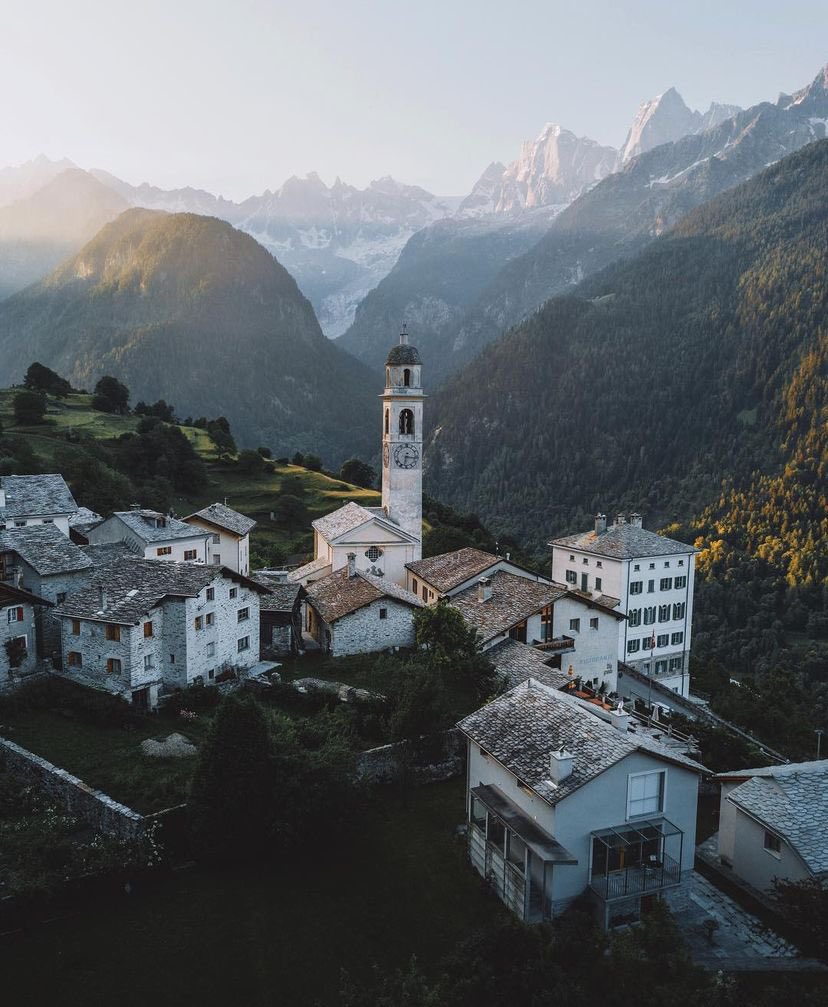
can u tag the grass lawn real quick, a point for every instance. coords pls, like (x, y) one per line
(110, 758)
(279, 933)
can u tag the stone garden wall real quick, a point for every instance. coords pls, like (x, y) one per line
(429, 759)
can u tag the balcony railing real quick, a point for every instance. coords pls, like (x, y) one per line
(557, 643)
(637, 879)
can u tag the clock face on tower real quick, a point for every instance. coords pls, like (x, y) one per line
(406, 456)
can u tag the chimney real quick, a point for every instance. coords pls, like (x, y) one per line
(621, 519)
(560, 765)
(352, 564)
(635, 520)
(600, 523)
(620, 719)
(102, 597)
(484, 589)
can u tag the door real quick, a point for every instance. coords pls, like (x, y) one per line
(584, 581)
(140, 699)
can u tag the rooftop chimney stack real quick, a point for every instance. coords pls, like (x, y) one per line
(484, 589)
(635, 520)
(620, 719)
(600, 524)
(352, 564)
(621, 519)
(560, 765)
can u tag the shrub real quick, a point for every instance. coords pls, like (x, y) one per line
(29, 408)
(111, 396)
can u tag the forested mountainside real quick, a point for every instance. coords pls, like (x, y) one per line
(616, 218)
(185, 308)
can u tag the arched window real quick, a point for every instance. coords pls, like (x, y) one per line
(387, 421)
(407, 377)
(406, 422)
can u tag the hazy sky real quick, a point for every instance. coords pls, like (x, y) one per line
(236, 96)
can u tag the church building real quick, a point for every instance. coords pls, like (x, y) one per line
(382, 539)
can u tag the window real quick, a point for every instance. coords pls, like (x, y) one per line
(233, 592)
(15, 614)
(635, 587)
(76, 627)
(216, 538)
(75, 660)
(676, 663)
(571, 559)
(634, 617)
(406, 421)
(164, 550)
(211, 649)
(149, 662)
(48, 520)
(666, 583)
(599, 564)
(147, 629)
(243, 644)
(772, 843)
(61, 597)
(633, 646)
(650, 586)
(645, 794)
(19, 524)
(571, 577)
(216, 559)
(407, 377)
(425, 593)
(663, 639)
(113, 632)
(680, 582)
(652, 566)
(373, 553)
(211, 594)
(677, 638)
(383, 612)
(660, 667)
(681, 562)
(598, 583)
(575, 625)
(113, 666)
(211, 673)
(172, 658)
(243, 615)
(678, 610)
(189, 554)
(663, 613)
(585, 561)
(584, 581)
(636, 568)
(199, 622)
(210, 619)
(518, 632)
(593, 623)
(649, 615)
(546, 623)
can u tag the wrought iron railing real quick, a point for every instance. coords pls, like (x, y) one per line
(637, 879)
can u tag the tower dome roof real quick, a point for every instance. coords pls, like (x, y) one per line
(403, 354)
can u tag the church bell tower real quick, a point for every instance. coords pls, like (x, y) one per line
(402, 439)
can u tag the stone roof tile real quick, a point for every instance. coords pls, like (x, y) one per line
(338, 595)
(36, 495)
(225, 517)
(624, 541)
(45, 549)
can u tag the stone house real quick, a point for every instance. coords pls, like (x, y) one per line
(573, 632)
(139, 628)
(351, 612)
(772, 823)
(280, 620)
(229, 536)
(450, 573)
(650, 578)
(566, 799)
(153, 535)
(32, 500)
(18, 634)
(44, 561)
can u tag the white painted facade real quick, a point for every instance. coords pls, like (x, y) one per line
(381, 549)
(188, 549)
(225, 548)
(402, 443)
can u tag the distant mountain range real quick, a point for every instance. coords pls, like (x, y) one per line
(188, 309)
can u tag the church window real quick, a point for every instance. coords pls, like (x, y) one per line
(407, 378)
(373, 553)
(406, 422)
(387, 420)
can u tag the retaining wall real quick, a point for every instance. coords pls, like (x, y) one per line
(428, 759)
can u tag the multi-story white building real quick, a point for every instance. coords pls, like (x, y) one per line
(229, 535)
(29, 500)
(153, 535)
(140, 627)
(650, 579)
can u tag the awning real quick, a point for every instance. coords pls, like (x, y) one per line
(631, 833)
(537, 839)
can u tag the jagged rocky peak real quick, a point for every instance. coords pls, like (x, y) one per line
(484, 194)
(813, 98)
(22, 180)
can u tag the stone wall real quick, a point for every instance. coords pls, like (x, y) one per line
(428, 759)
(363, 631)
(93, 806)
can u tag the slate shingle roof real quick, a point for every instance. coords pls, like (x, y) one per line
(522, 727)
(133, 587)
(308, 569)
(452, 568)
(624, 541)
(225, 517)
(517, 662)
(402, 353)
(36, 495)
(10, 595)
(338, 594)
(104, 553)
(142, 522)
(283, 594)
(791, 801)
(45, 549)
(84, 518)
(343, 519)
(513, 600)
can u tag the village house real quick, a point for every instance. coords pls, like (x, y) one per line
(351, 612)
(18, 634)
(32, 500)
(772, 823)
(228, 543)
(451, 572)
(280, 620)
(565, 798)
(80, 522)
(42, 560)
(650, 579)
(153, 535)
(139, 627)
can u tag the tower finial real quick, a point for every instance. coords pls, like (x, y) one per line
(404, 335)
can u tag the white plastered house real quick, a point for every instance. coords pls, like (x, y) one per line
(229, 535)
(153, 535)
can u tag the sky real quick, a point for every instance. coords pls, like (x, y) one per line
(235, 97)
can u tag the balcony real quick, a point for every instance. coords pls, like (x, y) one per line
(557, 645)
(632, 860)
